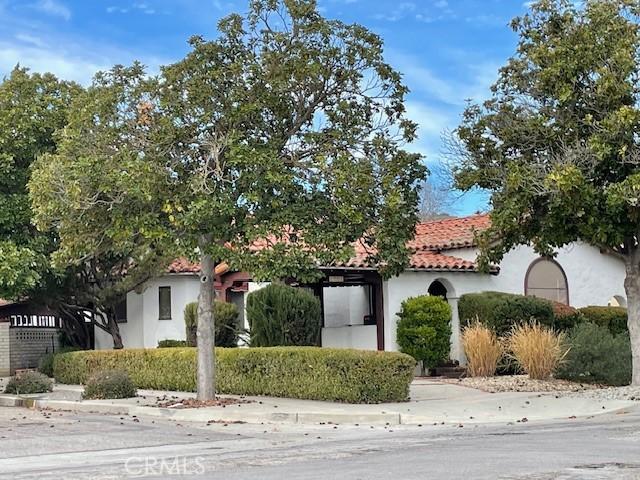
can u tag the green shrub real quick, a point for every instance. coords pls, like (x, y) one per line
(191, 323)
(45, 365)
(565, 317)
(29, 382)
(108, 384)
(597, 356)
(296, 372)
(225, 319)
(501, 311)
(280, 315)
(424, 329)
(169, 343)
(613, 318)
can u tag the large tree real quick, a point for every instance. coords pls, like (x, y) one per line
(32, 108)
(98, 193)
(279, 144)
(557, 144)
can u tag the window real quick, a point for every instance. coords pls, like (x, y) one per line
(121, 311)
(437, 289)
(546, 279)
(164, 303)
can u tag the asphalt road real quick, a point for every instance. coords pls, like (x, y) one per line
(57, 445)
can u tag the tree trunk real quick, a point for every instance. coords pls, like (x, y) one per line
(632, 288)
(206, 332)
(114, 330)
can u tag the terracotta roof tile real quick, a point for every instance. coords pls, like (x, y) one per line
(449, 233)
(182, 265)
(430, 240)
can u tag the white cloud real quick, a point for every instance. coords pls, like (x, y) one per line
(400, 12)
(142, 7)
(471, 80)
(30, 39)
(39, 59)
(53, 8)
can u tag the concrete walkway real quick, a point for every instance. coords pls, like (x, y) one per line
(431, 402)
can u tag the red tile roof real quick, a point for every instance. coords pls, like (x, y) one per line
(182, 265)
(431, 239)
(449, 233)
(420, 260)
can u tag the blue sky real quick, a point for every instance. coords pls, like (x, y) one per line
(448, 50)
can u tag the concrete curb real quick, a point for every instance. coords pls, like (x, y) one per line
(11, 401)
(200, 414)
(226, 415)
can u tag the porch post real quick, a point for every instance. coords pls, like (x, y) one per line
(379, 310)
(457, 352)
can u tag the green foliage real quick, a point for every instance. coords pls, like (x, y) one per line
(557, 163)
(296, 372)
(280, 315)
(28, 383)
(555, 144)
(169, 343)
(597, 356)
(191, 323)
(424, 329)
(109, 384)
(45, 365)
(613, 318)
(225, 319)
(32, 108)
(501, 311)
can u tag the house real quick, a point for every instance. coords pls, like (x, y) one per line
(359, 307)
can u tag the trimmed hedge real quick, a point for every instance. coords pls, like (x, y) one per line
(597, 356)
(613, 318)
(500, 311)
(170, 343)
(424, 329)
(45, 364)
(312, 373)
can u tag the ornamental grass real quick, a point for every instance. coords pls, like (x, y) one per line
(537, 349)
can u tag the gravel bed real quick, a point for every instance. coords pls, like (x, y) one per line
(519, 383)
(612, 393)
(522, 383)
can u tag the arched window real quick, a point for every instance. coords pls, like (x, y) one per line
(546, 279)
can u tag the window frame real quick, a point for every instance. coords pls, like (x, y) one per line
(118, 309)
(557, 264)
(164, 288)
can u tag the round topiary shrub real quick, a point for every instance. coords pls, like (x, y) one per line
(29, 382)
(225, 317)
(424, 329)
(280, 315)
(109, 384)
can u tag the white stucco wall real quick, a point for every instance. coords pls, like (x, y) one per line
(345, 305)
(361, 337)
(593, 278)
(143, 328)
